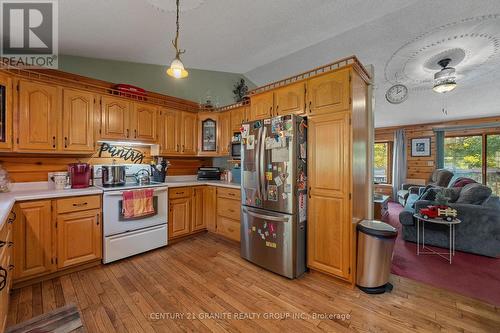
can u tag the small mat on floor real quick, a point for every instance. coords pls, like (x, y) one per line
(61, 320)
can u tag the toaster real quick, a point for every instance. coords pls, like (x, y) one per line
(209, 173)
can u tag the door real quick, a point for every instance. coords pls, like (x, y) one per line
(290, 99)
(78, 238)
(198, 221)
(33, 239)
(224, 133)
(38, 116)
(208, 127)
(188, 130)
(238, 117)
(267, 240)
(179, 218)
(115, 117)
(329, 93)
(144, 122)
(169, 132)
(5, 112)
(329, 235)
(261, 106)
(209, 209)
(78, 121)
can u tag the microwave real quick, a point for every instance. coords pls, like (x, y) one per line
(236, 150)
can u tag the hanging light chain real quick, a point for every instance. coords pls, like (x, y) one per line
(174, 42)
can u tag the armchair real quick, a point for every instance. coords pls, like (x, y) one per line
(440, 177)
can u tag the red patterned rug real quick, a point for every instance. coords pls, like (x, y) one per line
(471, 275)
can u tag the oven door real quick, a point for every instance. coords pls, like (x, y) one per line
(113, 221)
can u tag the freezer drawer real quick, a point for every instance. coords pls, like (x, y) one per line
(273, 241)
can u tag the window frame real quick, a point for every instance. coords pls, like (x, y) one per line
(390, 145)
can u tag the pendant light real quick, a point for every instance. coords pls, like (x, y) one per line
(444, 80)
(176, 67)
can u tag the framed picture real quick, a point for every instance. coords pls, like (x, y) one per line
(421, 147)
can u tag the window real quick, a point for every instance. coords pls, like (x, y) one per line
(382, 155)
(476, 157)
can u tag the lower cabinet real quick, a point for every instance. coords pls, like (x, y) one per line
(228, 213)
(5, 268)
(50, 236)
(180, 215)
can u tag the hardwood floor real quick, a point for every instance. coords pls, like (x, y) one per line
(205, 277)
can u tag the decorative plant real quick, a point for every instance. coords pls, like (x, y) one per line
(240, 90)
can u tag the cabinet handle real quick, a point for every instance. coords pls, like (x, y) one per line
(98, 218)
(12, 218)
(10, 244)
(177, 149)
(179, 193)
(2, 243)
(231, 210)
(53, 142)
(310, 104)
(3, 277)
(65, 142)
(11, 267)
(309, 192)
(277, 107)
(135, 134)
(271, 110)
(182, 148)
(80, 204)
(128, 133)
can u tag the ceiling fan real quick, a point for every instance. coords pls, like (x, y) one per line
(444, 80)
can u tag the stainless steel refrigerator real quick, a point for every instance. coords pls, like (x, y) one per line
(274, 194)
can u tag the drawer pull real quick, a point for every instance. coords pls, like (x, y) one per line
(80, 204)
(10, 244)
(231, 194)
(2, 244)
(179, 193)
(231, 210)
(230, 229)
(3, 278)
(11, 267)
(12, 218)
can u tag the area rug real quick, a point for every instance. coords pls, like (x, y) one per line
(470, 275)
(61, 320)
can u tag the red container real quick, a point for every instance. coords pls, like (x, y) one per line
(80, 174)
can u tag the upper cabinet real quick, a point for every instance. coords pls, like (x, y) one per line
(208, 127)
(115, 117)
(177, 132)
(262, 106)
(238, 116)
(224, 133)
(144, 122)
(329, 92)
(5, 112)
(290, 99)
(37, 117)
(78, 121)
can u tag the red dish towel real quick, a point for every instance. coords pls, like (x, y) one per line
(137, 203)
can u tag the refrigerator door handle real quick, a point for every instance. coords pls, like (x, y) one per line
(262, 164)
(257, 161)
(267, 217)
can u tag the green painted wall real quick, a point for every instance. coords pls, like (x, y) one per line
(195, 87)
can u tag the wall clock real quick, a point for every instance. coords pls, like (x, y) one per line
(396, 94)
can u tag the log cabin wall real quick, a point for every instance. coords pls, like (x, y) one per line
(421, 168)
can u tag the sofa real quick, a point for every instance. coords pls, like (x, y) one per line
(479, 211)
(440, 177)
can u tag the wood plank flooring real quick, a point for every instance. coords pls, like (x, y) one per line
(203, 285)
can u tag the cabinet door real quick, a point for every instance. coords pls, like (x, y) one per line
(115, 117)
(329, 92)
(189, 129)
(179, 217)
(38, 116)
(290, 99)
(224, 133)
(78, 121)
(261, 106)
(169, 132)
(198, 221)
(6, 113)
(209, 201)
(144, 122)
(208, 128)
(238, 116)
(33, 253)
(329, 239)
(78, 238)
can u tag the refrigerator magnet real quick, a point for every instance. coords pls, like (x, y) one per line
(278, 181)
(245, 129)
(272, 193)
(257, 124)
(251, 142)
(269, 175)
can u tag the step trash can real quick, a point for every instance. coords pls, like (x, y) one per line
(375, 245)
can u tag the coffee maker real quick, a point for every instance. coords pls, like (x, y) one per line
(80, 174)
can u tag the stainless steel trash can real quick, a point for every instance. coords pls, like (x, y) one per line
(375, 245)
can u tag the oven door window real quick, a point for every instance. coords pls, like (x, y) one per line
(122, 218)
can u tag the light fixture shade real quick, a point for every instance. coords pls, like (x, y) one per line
(177, 69)
(444, 87)
(445, 80)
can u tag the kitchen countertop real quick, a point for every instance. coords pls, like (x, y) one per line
(41, 190)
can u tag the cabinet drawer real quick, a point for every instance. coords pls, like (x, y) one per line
(180, 192)
(230, 193)
(228, 208)
(76, 204)
(228, 228)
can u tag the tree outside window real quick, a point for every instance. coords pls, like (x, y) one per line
(382, 156)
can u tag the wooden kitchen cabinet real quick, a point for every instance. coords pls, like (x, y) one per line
(78, 121)
(115, 118)
(144, 122)
(78, 238)
(179, 217)
(262, 106)
(189, 127)
(209, 132)
(37, 117)
(198, 221)
(210, 207)
(224, 133)
(330, 92)
(290, 100)
(6, 117)
(228, 213)
(32, 231)
(6, 268)
(169, 132)
(238, 116)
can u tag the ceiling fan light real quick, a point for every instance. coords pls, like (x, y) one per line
(444, 87)
(444, 80)
(177, 70)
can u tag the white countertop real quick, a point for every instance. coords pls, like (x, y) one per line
(42, 190)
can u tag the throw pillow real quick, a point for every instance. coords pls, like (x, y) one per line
(452, 193)
(474, 194)
(464, 181)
